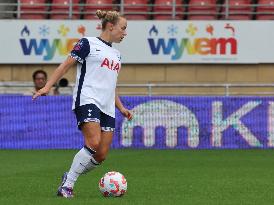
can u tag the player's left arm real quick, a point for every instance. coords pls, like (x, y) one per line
(127, 113)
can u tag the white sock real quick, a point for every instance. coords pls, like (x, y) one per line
(82, 163)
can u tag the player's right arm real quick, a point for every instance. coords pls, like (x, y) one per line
(78, 54)
(57, 74)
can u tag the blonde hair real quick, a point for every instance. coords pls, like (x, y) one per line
(108, 16)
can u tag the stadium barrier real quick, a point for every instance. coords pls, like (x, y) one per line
(159, 123)
(150, 89)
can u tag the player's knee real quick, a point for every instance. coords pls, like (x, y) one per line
(93, 143)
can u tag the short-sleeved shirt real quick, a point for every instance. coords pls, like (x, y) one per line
(97, 72)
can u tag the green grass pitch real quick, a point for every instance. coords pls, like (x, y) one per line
(167, 177)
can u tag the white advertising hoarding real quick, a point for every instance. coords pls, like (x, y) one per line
(50, 41)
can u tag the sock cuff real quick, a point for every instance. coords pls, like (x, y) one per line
(91, 151)
(93, 161)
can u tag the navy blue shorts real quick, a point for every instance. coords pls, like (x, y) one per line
(91, 113)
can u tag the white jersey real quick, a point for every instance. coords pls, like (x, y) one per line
(97, 72)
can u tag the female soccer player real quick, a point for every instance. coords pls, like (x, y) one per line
(94, 96)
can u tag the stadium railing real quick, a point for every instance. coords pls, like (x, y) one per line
(154, 89)
(135, 9)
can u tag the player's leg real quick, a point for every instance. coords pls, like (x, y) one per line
(83, 160)
(98, 138)
(107, 124)
(104, 146)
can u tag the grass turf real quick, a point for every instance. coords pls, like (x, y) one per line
(167, 177)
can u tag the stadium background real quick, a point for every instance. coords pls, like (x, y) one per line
(185, 145)
(154, 73)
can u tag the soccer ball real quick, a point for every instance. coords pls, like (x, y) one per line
(113, 184)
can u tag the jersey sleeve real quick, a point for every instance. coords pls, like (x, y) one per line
(81, 50)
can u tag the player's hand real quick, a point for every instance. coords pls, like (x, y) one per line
(127, 113)
(41, 92)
